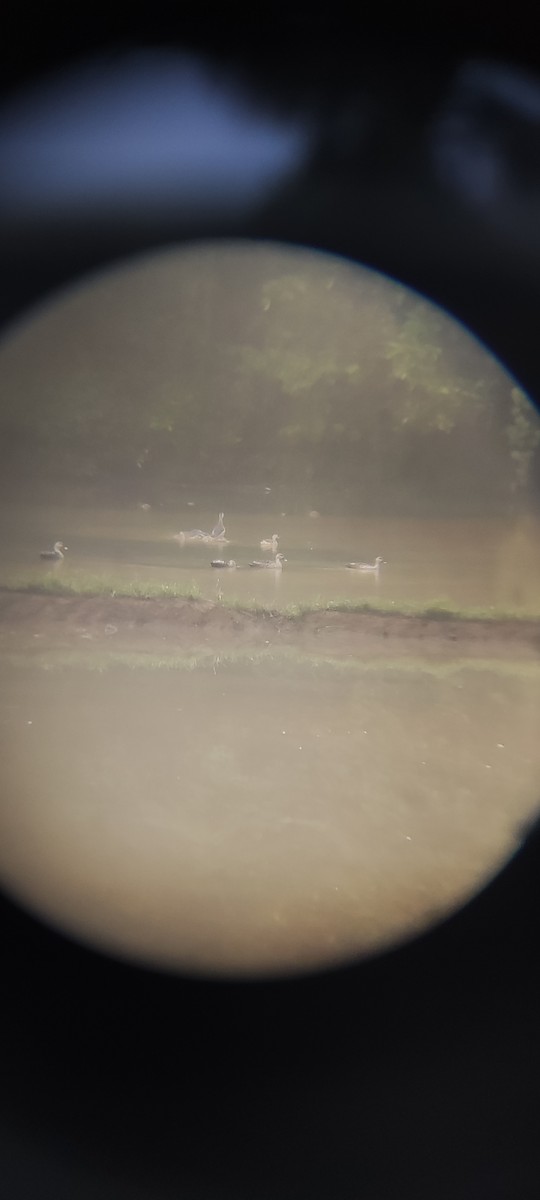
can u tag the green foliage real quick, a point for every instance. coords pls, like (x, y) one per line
(523, 433)
(294, 370)
(435, 396)
(244, 361)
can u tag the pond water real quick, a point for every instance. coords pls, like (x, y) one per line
(470, 561)
(274, 816)
(261, 819)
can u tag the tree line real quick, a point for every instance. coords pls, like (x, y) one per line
(248, 365)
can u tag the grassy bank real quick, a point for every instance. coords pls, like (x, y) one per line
(97, 585)
(270, 661)
(91, 585)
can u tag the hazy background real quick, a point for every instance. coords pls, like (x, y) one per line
(243, 366)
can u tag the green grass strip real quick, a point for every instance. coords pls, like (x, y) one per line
(283, 662)
(90, 585)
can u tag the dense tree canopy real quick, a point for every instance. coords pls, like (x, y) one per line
(246, 362)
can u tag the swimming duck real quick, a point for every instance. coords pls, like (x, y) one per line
(56, 553)
(270, 543)
(275, 564)
(221, 562)
(191, 535)
(374, 567)
(218, 532)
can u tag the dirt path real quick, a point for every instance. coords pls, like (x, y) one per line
(186, 626)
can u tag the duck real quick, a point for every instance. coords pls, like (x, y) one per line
(270, 543)
(374, 567)
(218, 529)
(275, 564)
(218, 532)
(191, 535)
(56, 553)
(222, 562)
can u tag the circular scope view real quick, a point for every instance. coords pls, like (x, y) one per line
(269, 611)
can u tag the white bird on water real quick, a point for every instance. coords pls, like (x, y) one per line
(271, 565)
(219, 529)
(360, 566)
(191, 535)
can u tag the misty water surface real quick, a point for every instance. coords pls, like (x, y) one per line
(472, 562)
(261, 819)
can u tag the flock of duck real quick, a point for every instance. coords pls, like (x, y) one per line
(217, 537)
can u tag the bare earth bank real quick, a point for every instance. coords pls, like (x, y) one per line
(185, 625)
